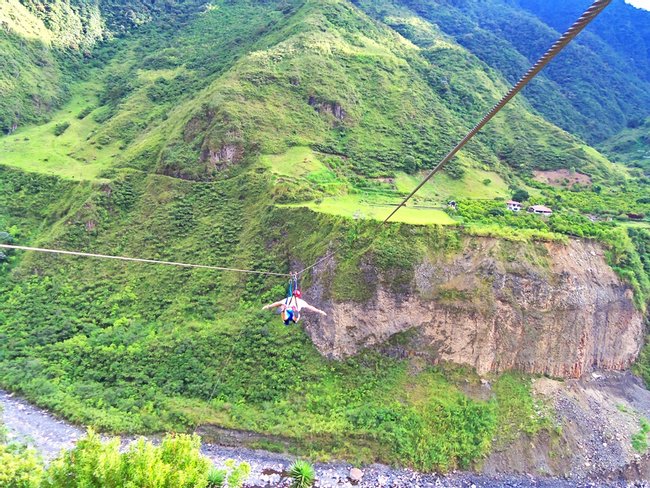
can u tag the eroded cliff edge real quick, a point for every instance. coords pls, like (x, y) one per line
(549, 308)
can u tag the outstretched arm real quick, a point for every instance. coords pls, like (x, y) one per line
(306, 306)
(273, 305)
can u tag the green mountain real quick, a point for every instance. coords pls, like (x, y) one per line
(631, 146)
(622, 30)
(249, 134)
(592, 89)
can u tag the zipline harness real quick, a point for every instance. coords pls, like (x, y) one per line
(293, 287)
(590, 14)
(291, 312)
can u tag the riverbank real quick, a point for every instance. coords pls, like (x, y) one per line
(49, 435)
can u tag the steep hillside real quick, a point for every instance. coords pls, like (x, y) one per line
(552, 309)
(39, 47)
(622, 28)
(42, 44)
(631, 146)
(353, 89)
(591, 90)
(352, 105)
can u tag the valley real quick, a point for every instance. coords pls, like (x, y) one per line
(274, 135)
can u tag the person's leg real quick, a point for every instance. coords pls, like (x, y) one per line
(289, 317)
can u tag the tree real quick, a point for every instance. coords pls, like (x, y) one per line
(520, 195)
(455, 169)
(410, 164)
(19, 468)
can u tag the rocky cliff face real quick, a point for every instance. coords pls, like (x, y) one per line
(555, 309)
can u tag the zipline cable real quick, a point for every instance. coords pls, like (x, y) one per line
(324, 258)
(590, 14)
(138, 260)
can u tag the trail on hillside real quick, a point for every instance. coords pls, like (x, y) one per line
(46, 433)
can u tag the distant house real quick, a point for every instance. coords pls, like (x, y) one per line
(540, 210)
(452, 204)
(513, 206)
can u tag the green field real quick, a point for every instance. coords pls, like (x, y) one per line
(69, 155)
(442, 187)
(359, 207)
(636, 225)
(297, 161)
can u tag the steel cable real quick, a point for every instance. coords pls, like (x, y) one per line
(590, 14)
(139, 260)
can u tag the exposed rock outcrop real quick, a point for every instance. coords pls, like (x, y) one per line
(333, 109)
(561, 312)
(223, 156)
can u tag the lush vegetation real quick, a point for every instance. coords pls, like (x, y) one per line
(93, 463)
(633, 44)
(631, 146)
(198, 133)
(19, 467)
(612, 84)
(155, 349)
(640, 439)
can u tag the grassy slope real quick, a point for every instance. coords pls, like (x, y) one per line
(38, 48)
(474, 184)
(71, 154)
(631, 146)
(31, 81)
(169, 102)
(265, 98)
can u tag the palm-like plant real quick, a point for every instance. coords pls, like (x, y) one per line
(216, 478)
(302, 473)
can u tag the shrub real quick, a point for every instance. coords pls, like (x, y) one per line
(455, 169)
(117, 86)
(92, 463)
(217, 478)
(85, 113)
(232, 477)
(61, 128)
(640, 439)
(19, 468)
(302, 474)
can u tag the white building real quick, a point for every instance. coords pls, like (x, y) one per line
(540, 210)
(513, 206)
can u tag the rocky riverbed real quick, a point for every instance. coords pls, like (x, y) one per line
(48, 434)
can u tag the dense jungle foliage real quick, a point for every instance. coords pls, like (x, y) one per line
(199, 132)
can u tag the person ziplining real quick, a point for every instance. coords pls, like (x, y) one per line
(293, 304)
